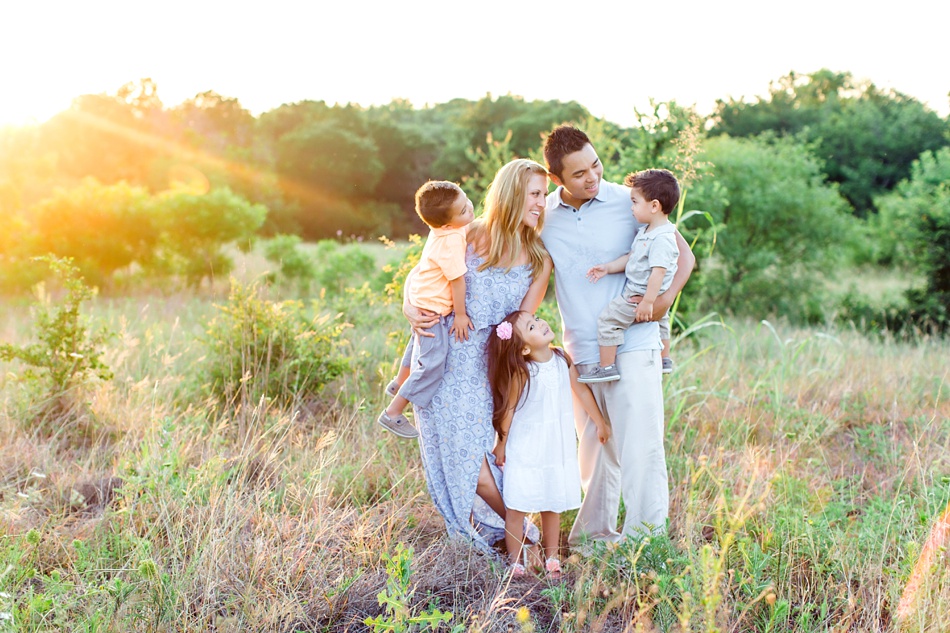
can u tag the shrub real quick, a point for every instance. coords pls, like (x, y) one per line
(341, 267)
(295, 264)
(195, 228)
(262, 349)
(782, 227)
(102, 228)
(915, 230)
(67, 354)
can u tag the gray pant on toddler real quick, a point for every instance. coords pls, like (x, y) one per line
(426, 372)
(617, 317)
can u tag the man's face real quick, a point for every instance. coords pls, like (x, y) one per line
(581, 173)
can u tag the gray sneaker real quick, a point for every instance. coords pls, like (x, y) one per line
(399, 425)
(601, 374)
(667, 365)
(393, 387)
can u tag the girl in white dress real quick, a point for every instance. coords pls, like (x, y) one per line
(536, 445)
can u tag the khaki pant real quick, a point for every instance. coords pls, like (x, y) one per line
(633, 462)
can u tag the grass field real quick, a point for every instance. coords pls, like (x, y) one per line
(806, 468)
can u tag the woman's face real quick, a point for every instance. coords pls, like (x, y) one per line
(534, 200)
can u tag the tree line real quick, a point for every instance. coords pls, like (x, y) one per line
(821, 172)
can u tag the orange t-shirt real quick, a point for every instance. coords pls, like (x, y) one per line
(442, 261)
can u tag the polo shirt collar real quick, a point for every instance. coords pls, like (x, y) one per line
(560, 200)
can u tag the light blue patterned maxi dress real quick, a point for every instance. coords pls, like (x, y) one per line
(455, 430)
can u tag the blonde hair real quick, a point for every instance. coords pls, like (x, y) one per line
(503, 220)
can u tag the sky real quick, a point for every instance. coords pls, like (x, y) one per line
(611, 56)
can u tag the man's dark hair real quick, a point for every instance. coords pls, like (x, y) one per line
(656, 184)
(563, 140)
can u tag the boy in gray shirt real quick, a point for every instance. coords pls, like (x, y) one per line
(649, 267)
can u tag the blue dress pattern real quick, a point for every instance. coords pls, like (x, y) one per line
(455, 429)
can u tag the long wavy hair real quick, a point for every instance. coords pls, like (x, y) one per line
(502, 223)
(507, 365)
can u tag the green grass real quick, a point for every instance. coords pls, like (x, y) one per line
(806, 467)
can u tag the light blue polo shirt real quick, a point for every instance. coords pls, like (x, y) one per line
(599, 232)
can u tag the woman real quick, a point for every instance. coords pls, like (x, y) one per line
(508, 269)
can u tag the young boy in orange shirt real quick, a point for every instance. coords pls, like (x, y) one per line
(439, 286)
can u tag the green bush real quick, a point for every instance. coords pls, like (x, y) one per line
(102, 228)
(914, 229)
(295, 265)
(342, 266)
(195, 228)
(782, 228)
(67, 354)
(262, 349)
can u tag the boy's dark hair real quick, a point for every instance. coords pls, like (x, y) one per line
(656, 184)
(563, 140)
(434, 202)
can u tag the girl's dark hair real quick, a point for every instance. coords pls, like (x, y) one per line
(507, 366)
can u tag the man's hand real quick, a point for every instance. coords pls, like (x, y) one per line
(420, 320)
(461, 326)
(596, 272)
(603, 433)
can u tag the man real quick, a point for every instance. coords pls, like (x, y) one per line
(589, 221)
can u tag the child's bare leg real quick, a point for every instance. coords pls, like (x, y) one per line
(488, 491)
(397, 406)
(551, 534)
(666, 348)
(608, 355)
(402, 375)
(514, 535)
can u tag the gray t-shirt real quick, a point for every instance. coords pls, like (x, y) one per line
(600, 231)
(651, 249)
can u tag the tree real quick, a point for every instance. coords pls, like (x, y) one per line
(865, 136)
(782, 227)
(111, 138)
(102, 228)
(195, 228)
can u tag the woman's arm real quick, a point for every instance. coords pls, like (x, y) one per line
(420, 320)
(539, 286)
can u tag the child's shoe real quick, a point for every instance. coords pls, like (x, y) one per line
(399, 425)
(517, 571)
(553, 567)
(667, 365)
(601, 374)
(393, 387)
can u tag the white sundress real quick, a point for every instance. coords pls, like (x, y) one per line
(541, 472)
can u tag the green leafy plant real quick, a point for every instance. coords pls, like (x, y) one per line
(397, 596)
(67, 353)
(259, 348)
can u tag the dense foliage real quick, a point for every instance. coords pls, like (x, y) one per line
(139, 194)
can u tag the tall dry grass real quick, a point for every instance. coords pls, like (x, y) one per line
(805, 469)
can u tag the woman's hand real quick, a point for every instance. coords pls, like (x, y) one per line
(603, 431)
(420, 320)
